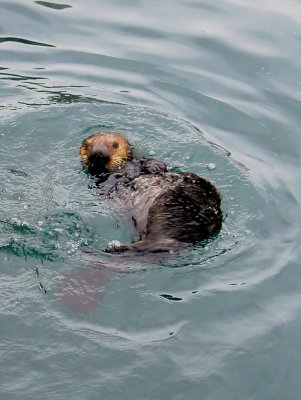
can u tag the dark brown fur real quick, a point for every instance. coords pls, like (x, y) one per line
(168, 210)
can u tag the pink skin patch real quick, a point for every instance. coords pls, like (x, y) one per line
(82, 289)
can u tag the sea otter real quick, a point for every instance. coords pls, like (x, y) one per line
(168, 210)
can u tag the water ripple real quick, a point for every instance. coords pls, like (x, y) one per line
(24, 41)
(195, 84)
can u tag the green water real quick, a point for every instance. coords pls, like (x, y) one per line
(192, 83)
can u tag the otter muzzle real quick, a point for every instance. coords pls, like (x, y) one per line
(97, 162)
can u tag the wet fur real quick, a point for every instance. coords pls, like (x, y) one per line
(168, 210)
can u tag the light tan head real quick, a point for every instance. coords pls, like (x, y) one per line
(105, 152)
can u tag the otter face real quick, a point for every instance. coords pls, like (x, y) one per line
(105, 152)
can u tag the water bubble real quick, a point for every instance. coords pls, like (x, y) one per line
(114, 243)
(211, 166)
(152, 152)
(16, 221)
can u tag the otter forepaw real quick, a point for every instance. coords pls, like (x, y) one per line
(115, 249)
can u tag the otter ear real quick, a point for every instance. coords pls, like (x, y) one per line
(85, 142)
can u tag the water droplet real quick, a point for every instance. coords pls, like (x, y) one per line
(211, 166)
(16, 221)
(114, 243)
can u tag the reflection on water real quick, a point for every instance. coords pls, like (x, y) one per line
(194, 84)
(24, 41)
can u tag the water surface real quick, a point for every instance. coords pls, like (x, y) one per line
(195, 84)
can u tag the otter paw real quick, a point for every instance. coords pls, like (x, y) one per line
(115, 247)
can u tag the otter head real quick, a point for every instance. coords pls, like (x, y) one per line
(105, 152)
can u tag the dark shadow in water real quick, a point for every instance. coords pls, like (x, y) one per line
(16, 77)
(170, 297)
(62, 96)
(54, 6)
(18, 172)
(65, 97)
(24, 41)
(37, 273)
(22, 249)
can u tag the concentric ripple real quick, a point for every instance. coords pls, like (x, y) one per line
(54, 212)
(212, 88)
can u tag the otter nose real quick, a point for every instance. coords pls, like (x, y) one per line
(99, 155)
(97, 161)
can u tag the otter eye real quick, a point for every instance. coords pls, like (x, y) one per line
(115, 145)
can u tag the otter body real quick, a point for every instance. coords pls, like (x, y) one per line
(168, 210)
